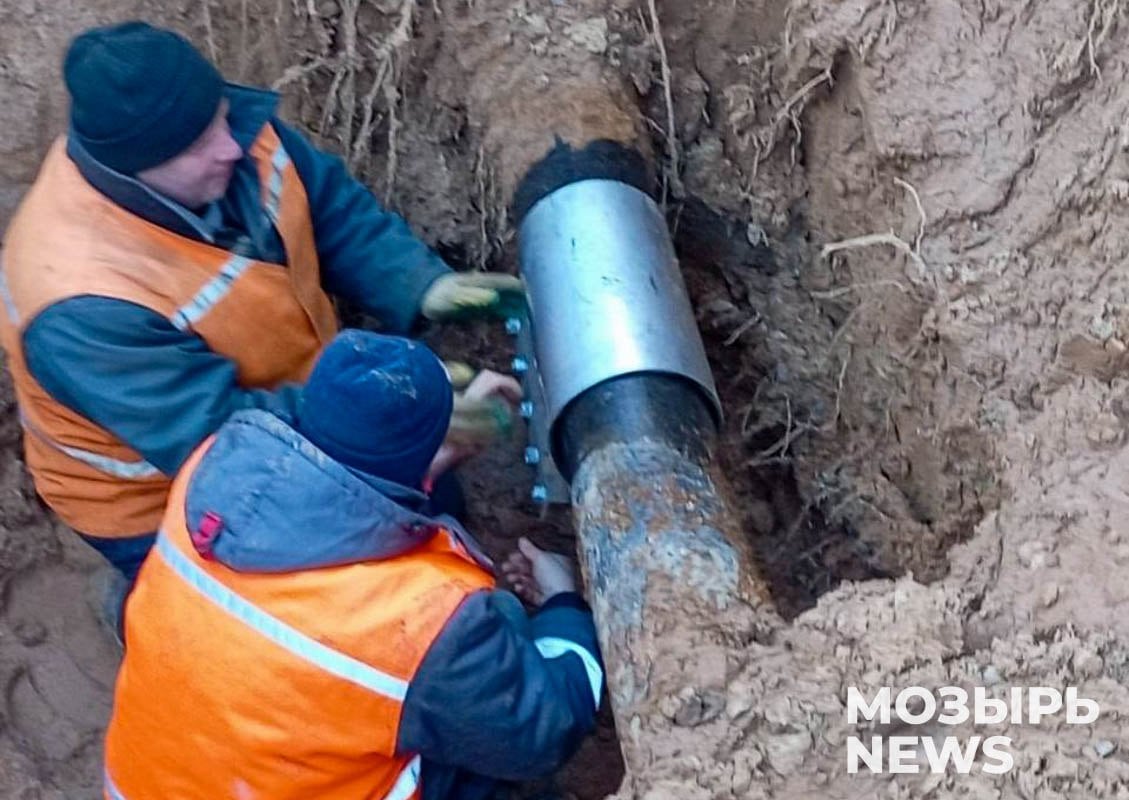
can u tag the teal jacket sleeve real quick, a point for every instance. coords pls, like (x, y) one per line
(504, 697)
(127, 369)
(368, 255)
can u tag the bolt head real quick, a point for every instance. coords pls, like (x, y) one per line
(532, 455)
(513, 326)
(539, 493)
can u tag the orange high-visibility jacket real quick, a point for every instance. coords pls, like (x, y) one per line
(68, 240)
(275, 686)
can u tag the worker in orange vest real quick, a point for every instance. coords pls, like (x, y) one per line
(173, 264)
(305, 627)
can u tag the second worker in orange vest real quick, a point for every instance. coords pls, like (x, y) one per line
(173, 264)
(333, 638)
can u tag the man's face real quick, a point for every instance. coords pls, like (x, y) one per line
(201, 173)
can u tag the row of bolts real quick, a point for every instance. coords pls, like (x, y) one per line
(519, 366)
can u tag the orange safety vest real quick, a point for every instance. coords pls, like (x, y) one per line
(274, 686)
(67, 239)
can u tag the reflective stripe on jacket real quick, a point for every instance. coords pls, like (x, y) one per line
(68, 240)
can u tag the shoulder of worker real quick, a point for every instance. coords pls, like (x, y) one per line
(367, 254)
(249, 110)
(286, 484)
(324, 174)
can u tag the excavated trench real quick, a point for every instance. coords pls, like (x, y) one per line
(924, 424)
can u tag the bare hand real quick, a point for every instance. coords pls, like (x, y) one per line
(536, 574)
(488, 383)
(482, 414)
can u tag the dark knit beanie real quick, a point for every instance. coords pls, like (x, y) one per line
(139, 95)
(379, 404)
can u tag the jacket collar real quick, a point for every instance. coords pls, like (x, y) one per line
(250, 109)
(284, 505)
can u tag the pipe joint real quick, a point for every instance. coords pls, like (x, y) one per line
(606, 295)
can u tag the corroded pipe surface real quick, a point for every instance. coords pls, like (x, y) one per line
(671, 587)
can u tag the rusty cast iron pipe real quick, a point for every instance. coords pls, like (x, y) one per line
(631, 412)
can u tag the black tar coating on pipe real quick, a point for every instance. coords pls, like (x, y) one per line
(631, 408)
(599, 159)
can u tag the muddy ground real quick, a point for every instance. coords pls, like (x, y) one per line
(903, 228)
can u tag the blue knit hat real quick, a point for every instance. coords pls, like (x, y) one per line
(378, 404)
(139, 95)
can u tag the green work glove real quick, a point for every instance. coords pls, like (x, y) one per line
(473, 295)
(477, 422)
(460, 374)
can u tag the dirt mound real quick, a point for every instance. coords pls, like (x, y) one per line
(902, 229)
(945, 187)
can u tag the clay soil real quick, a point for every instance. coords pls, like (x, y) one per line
(903, 227)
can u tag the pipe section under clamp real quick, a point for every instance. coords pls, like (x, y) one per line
(606, 294)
